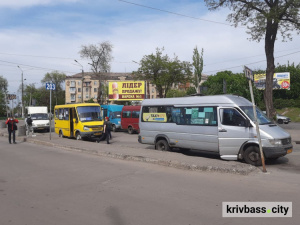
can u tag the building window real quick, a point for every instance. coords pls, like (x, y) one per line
(95, 82)
(86, 89)
(72, 90)
(73, 83)
(73, 98)
(79, 96)
(79, 83)
(95, 96)
(95, 89)
(87, 96)
(79, 89)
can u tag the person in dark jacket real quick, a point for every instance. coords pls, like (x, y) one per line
(12, 127)
(107, 128)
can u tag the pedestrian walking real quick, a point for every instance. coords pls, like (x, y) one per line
(29, 125)
(107, 129)
(12, 127)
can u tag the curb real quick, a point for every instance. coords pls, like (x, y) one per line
(162, 162)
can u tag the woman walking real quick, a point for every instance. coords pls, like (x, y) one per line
(12, 127)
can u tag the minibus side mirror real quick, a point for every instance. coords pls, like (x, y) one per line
(247, 123)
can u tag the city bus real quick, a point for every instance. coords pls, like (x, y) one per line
(78, 121)
(223, 124)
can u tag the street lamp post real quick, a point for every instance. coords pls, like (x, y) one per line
(22, 93)
(81, 80)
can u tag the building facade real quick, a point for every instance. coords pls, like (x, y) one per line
(84, 87)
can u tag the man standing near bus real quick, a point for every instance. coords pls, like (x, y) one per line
(107, 128)
(12, 127)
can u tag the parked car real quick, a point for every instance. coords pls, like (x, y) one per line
(282, 119)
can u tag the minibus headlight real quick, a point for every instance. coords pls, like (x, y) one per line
(86, 128)
(275, 142)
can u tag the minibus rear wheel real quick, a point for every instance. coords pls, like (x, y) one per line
(252, 156)
(162, 145)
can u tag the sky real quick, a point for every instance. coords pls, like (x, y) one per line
(41, 36)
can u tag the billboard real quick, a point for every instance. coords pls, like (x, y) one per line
(280, 81)
(126, 90)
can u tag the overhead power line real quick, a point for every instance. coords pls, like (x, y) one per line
(174, 13)
(207, 72)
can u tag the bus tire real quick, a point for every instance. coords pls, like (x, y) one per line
(78, 135)
(280, 121)
(114, 129)
(130, 130)
(252, 156)
(162, 145)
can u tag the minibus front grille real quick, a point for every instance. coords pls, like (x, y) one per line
(95, 128)
(286, 141)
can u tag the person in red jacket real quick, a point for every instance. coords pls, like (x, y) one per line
(12, 127)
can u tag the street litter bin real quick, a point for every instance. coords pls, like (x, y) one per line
(22, 130)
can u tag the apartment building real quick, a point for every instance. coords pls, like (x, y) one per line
(83, 87)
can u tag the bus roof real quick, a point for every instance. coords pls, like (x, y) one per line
(76, 105)
(196, 100)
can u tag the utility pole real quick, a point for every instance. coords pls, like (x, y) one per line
(22, 93)
(82, 78)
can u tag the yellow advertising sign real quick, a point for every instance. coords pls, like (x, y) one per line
(280, 81)
(126, 91)
(155, 117)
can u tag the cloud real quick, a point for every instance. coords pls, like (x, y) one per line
(31, 3)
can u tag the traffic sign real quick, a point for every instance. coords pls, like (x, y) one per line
(50, 86)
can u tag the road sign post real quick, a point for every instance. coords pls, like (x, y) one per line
(50, 86)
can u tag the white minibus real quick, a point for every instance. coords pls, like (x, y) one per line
(223, 124)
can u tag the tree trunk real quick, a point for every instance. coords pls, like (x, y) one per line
(271, 32)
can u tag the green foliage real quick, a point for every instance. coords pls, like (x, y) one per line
(173, 93)
(191, 90)
(3, 90)
(162, 71)
(91, 100)
(236, 84)
(198, 67)
(58, 79)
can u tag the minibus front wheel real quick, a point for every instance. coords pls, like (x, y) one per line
(78, 135)
(252, 156)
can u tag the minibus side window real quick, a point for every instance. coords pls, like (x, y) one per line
(61, 114)
(56, 113)
(232, 117)
(135, 114)
(204, 116)
(126, 114)
(160, 114)
(66, 113)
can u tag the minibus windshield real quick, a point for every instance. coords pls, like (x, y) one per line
(89, 113)
(261, 117)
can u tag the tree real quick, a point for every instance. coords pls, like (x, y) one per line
(3, 91)
(58, 79)
(264, 18)
(235, 84)
(100, 57)
(163, 72)
(198, 68)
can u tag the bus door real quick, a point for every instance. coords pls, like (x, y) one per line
(72, 121)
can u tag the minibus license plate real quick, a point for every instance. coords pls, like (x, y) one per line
(97, 133)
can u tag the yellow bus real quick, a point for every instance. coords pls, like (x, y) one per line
(79, 121)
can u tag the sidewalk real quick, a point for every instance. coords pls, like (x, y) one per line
(180, 160)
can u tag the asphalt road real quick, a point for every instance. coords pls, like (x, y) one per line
(43, 185)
